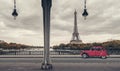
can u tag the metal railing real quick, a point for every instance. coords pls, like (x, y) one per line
(56, 52)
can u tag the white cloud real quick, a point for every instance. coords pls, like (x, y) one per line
(102, 22)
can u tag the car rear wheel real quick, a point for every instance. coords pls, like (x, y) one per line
(84, 55)
(103, 57)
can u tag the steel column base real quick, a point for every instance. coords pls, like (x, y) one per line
(46, 66)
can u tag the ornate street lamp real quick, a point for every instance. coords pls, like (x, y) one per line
(14, 13)
(85, 13)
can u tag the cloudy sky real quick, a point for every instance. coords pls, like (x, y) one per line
(102, 24)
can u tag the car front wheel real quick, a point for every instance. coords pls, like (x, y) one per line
(84, 55)
(103, 57)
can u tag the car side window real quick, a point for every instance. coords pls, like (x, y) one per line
(103, 49)
(93, 49)
(98, 49)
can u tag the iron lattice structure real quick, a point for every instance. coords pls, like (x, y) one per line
(75, 35)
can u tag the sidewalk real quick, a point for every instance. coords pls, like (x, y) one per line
(52, 56)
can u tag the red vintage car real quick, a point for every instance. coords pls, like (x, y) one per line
(96, 51)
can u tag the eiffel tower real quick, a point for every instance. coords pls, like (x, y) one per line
(75, 35)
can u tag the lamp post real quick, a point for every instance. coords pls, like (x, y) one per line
(46, 5)
(14, 13)
(85, 13)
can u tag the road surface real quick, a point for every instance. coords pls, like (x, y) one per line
(60, 60)
(60, 64)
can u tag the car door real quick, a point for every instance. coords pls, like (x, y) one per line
(98, 51)
(92, 52)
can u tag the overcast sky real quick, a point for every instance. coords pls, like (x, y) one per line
(102, 24)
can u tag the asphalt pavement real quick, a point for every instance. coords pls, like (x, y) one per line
(60, 63)
(61, 67)
(52, 56)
